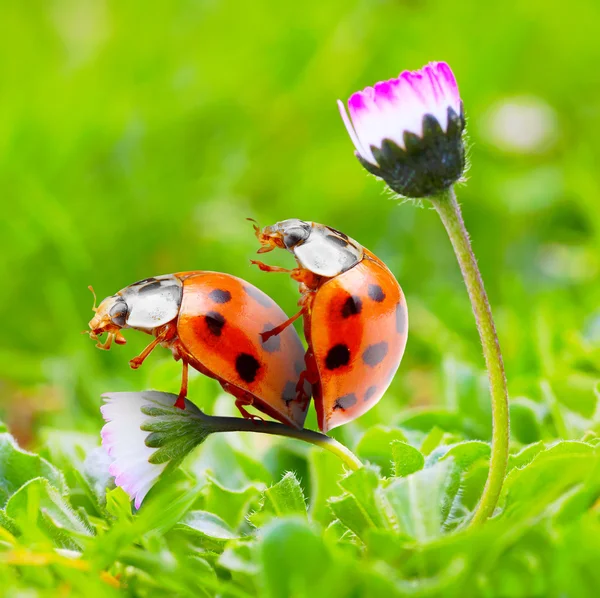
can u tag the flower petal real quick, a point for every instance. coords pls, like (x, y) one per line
(390, 108)
(124, 441)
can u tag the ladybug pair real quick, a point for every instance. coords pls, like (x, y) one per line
(355, 324)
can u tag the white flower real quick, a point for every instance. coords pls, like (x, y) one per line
(408, 130)
(125, 441)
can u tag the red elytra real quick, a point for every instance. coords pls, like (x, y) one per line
(355, 317)
(213, 322)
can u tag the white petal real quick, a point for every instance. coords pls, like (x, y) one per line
(124, 442)
(390, 108)
(365, 154)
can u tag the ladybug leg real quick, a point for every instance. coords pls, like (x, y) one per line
(180, 402)
(136, 362)
(279, 329)
(266, 268)
(310, 375)
(162, 336)
(305, 304)
(243, 399)
(105, 346)
(245, 414)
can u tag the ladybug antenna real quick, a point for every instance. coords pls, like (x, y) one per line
(91, 288)
(255, 224)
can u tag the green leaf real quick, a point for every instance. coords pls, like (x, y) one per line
(361, 507)
(230, 505)
(167, 503)
(406, 458)
(375, 444)
(240, 558)
(118, 504)
(285, 543)
(464, 454)
(206, 530)
(284, 498)
(84, 465)
(8, 523)
(525, 419)
(417, 501)
(17, 467)
(525, 455)
(325, 471)
(467, 394)
(426, 419)
(39, 509)
(549, 475)
(435, 438)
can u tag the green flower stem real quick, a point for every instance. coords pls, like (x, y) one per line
(237, 424)
(449, 210)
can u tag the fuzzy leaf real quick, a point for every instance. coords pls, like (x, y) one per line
(284, 542)
(206, 530)
(361, 507)
(284, 498)
(325, 471)
(417, 501)
(406, 458)
(38, 507)
(17, 467)
(374, 446)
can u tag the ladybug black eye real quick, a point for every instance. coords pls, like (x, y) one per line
(293, 236)
(118, 313)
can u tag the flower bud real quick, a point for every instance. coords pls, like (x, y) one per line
(144, 434)
(408, 131)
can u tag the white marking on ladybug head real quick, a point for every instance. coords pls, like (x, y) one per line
(324, 251)
(109, 318)
(152, 302)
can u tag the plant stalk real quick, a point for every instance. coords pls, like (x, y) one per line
(237, 424)
(449, 210)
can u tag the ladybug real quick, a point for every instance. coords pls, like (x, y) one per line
(212, 322)
(355, 317)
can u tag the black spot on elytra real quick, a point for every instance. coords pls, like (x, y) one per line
(220, 296)
(144, 281)
(338, 232)
(345, 402)
(338, 356)
(337, 240)
(376, 293)
(352, 306)
(215, 322)
(289, 392)
(370, 392)
(258, 296)
(375, 354)
(273, 343)
(400, 319)
(247, 367)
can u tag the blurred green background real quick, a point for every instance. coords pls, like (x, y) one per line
(136, 138)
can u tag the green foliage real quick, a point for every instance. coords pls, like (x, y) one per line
(365, 533)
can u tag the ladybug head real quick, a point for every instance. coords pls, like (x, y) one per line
(322, 250)
(286, 234)
(143, 305)
(110, 317)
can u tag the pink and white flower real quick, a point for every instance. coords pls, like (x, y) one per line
(125, 442)
(408, 130)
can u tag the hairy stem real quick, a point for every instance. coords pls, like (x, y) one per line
(449, 210)
(236, 424)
